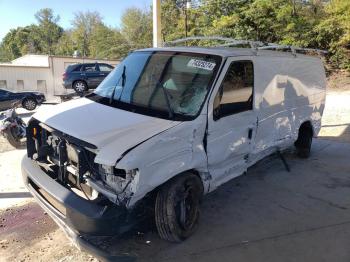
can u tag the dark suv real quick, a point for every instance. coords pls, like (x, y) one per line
(82, 77)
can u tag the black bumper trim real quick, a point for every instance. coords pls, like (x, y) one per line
(78, 210)
(78, 240)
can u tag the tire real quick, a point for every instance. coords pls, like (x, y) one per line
(80, 87)
(16, 143)
(304, 142)
(29, 104)
(177, 207)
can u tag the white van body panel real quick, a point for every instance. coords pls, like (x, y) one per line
(288, 91)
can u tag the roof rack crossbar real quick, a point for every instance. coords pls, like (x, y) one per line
(256, 45)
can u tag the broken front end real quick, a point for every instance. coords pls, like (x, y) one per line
(88, 198)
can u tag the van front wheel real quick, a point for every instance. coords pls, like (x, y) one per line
(177, 207)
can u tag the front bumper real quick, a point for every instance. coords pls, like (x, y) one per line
(76, 216)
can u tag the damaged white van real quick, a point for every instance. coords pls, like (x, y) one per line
(167, 126)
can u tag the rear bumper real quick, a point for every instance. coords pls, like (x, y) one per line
(67, 84)
(76, 216)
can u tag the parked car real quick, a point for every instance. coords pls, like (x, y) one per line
(82, 77)
(28, 100)
(166, 127)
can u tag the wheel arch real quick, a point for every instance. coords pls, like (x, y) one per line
(149, 196)
(191, 171)
(28, 97)
(306, 127)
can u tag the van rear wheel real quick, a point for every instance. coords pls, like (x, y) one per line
(304, 141)
(177, 207)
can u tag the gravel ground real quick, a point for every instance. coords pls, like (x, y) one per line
(233, 220)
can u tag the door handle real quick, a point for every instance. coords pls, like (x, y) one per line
(250, 133)
(102, 74)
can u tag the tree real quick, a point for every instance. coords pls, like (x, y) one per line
(84, 23)
(20, 41)
(320, 24)
(333, 33)
(108, 43)
(170, 16)
(137, 28)
(49, 32)
(65, 45)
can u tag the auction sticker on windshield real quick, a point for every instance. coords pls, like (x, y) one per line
(201, 64)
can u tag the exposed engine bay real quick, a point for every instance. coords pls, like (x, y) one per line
(70, 161)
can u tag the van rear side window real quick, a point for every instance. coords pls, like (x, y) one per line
(236, 92)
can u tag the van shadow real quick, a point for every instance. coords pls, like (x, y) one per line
(336, 132)
(226, 217)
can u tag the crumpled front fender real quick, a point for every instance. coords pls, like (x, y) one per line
(166, 155)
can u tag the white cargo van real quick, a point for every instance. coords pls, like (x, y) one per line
(167, 126)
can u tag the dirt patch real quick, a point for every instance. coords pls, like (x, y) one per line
(339, 80)
(29, 234)
(4, 145)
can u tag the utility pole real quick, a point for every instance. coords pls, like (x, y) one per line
(186, 19)
(157, 25)
(187, 6)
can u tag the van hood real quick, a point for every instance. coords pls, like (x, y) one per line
(101, 125)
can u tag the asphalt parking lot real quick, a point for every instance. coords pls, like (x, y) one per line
(268, 214)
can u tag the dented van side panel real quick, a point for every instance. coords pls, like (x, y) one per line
(288, 94)
(171, 152)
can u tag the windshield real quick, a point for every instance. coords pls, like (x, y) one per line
(165, 84)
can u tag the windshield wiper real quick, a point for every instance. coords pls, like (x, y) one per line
(166, 95)
(123, 78)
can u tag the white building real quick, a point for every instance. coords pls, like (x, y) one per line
(40, 72)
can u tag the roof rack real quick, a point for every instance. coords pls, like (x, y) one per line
(255, 45)
(293, 49)
(230, 41)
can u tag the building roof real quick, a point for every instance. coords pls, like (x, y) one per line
(31, 60)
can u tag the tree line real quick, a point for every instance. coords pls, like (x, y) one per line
(88, 35)
(323, 24)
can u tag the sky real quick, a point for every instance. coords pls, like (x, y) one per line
(14, 13)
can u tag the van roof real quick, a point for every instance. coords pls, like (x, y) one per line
(230, 51)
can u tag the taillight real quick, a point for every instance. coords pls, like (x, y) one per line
(64, 76)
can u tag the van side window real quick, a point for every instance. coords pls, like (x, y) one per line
(236, 92)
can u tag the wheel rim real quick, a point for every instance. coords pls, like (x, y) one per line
(186, 207)
(80, 87)
(30, 104)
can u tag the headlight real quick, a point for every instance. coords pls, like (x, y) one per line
(118, 179)
(111, 170)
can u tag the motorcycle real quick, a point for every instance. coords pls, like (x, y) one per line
(13, 128)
